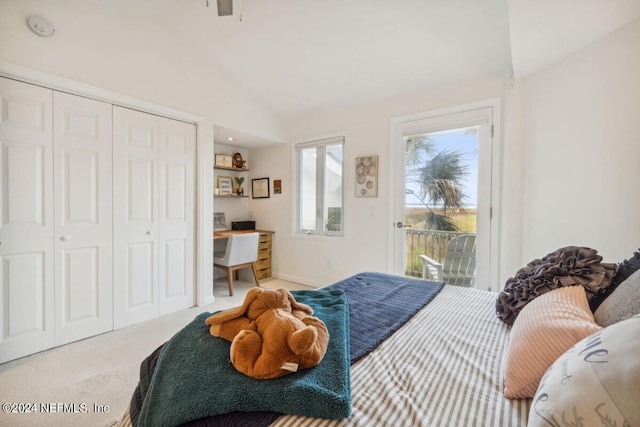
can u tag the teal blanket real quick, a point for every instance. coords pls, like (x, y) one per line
(194, 377)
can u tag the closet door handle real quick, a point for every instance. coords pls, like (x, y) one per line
(65, 238)
(150, 233)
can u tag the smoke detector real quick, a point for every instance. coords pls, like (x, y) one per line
(40, 26)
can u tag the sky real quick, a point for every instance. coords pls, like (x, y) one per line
(455, 141)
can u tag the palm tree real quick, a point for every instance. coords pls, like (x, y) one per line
(440, 179)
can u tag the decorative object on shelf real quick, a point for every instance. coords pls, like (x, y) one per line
(367, 176)
(225, 185)
(224, 160)
(277, 186)
(238, 162)
(219, 222)
(239, 180)
(260, 188)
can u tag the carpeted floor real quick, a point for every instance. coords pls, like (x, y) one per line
(90, 382)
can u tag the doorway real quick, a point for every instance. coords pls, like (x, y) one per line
(444, 183)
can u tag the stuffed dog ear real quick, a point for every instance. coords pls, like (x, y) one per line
(233, 313)
(295, 305)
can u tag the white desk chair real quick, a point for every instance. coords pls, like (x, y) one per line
(459, 264)
(241, 252)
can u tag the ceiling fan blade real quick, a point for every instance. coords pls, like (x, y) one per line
(225, 7)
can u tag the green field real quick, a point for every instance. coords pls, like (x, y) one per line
(466, 218)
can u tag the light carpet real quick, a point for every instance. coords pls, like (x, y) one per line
(90, 382)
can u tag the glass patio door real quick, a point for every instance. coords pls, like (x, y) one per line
(443, 188)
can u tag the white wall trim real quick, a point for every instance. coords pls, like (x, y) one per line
(301, 280)
(204, 209)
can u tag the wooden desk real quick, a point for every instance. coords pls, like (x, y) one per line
(226, 233)
(265, 241)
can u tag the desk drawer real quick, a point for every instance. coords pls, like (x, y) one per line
(263, 274)
(266, 237)
(264, 241)
(261, 264)
(264, 253)
(263, 246)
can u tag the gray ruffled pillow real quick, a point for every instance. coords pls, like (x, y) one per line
(623, 302)
(568, 266)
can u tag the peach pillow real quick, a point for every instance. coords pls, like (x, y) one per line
(545, 328)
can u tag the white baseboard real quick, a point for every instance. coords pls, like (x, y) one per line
(301, 280)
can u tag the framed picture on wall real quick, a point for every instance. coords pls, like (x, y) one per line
(225, 185)
(367, 176)
(260, 188)
(219, 222)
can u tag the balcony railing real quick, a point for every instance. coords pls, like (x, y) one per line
(432, 243)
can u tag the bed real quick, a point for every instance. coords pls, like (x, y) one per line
(560, 340)
(443, 365)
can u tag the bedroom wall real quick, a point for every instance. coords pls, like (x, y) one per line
(151, 64)
(583, 151)
(319, 261)
(512, 185)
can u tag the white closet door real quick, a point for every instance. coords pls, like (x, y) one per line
(26, 220)
(135, 217)
(82, 194)
(177, 177)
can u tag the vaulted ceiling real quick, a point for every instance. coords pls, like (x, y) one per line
(299, 56)
(304, 56)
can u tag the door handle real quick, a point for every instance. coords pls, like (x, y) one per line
(65, 238)
(150, 233)
(399, 224)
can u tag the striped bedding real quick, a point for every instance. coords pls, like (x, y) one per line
(442, 368)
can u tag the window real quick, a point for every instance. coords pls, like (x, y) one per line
(320, 198)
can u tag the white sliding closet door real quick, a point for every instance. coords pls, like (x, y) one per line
(83, 240)
(135, 216)
(26, 220)
(153, 215)
(177, 214)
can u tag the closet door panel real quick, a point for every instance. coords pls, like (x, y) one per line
(26, 220)
(177, 214)
(174, 274)
(140, 279)
(141, 187)
(80, 284)
(25, 189)
(83, 214)
(135, 207)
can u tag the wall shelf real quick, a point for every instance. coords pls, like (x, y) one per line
(231, 169)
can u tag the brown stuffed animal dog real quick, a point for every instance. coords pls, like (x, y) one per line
(271, 334)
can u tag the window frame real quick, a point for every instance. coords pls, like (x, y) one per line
(321, 217)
